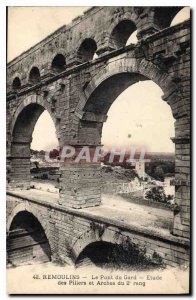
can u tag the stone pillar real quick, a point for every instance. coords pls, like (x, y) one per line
(181, 226)
(145, 22)
(178, 98)
(18, 171)
(104, 46)
(80, 182)
(73, 60)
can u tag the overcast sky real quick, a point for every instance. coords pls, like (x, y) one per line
(137, 117)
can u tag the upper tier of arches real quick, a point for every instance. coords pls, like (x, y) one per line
(88, 39)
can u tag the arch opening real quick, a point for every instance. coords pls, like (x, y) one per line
(27, 242)
(132, 113)
(16, 85)
(163, 16)
(111, 256)
(138, 112)
(45, 173)
(87, 50)
(123, 34)
(132, 39)
(34, 76)
(29, 163)
(106, 93)
(181, 16)
(58, 63)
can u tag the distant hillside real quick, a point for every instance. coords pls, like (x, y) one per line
(165, 156)
(153, 156)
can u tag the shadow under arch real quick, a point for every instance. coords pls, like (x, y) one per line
(16, 84)
(121, 33)
(58, 63)
(27, 236)
(92, 236)
(87, 50)
(34, 75)
(111, 250)
(163, 16)
(97, 253)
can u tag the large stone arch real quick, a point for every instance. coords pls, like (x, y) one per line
(25, 206)
(131, 65)
(91, 117)
(29, 235)
(21, 127)
(32, 99)
(172, 92)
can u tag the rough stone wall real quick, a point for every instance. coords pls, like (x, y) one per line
(69, 232)
(71, 95)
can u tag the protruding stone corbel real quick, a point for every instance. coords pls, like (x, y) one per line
(181, 140)
(91, 117)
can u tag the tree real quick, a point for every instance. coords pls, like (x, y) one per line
(36, 163)
(156, 194)
(158, 173)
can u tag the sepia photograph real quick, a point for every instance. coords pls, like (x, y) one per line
(98, 117)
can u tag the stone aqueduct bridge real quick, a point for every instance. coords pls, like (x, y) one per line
(60, 75)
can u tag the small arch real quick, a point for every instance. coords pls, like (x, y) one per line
(58, 63)
(121, 33)
(181, 16)
(163, 16)
(16, 85)
(34, 76)
(87, 50)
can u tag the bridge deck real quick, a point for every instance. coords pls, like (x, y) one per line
(114, 210)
